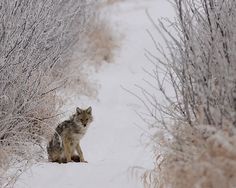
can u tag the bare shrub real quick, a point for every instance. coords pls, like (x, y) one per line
(102, 42)
(99, 44)
(36, 38)
(101, 39)
(195, 124)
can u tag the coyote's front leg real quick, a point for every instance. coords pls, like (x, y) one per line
(67, 149)
(80, 153)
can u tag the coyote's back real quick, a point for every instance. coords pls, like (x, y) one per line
(65, 144)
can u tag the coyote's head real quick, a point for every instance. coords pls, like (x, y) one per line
(83, 117)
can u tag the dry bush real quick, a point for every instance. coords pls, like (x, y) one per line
(195, 136)
(191, 160)
(36, 38)
(103, 42)
(101, 39)
(100, 42)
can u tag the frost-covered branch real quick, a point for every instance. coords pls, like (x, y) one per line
(36, 39)
(195, 73)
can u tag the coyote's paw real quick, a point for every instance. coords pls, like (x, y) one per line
(75, 158)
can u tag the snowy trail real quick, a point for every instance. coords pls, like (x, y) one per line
(112, 144)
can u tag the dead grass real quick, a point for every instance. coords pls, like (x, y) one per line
(97, 46)
(194, 160)
(103, 42)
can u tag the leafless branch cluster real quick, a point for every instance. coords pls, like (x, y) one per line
(197, 77)
(36, 38)
(99, 43)
(200, 62)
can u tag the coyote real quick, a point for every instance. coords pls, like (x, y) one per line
(66, 141)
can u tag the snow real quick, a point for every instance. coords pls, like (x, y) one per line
(114, 143)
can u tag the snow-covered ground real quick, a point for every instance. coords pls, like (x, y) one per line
(113, 143)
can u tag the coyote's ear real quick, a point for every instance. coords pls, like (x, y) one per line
(89, 110)
(78, 110)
